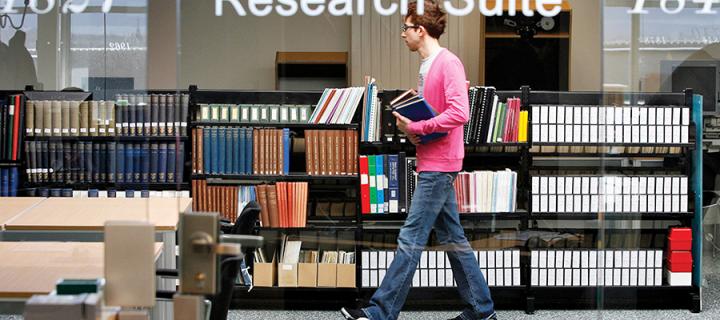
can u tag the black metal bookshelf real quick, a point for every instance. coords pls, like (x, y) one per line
(525, 297)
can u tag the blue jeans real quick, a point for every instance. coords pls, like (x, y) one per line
(433, 205)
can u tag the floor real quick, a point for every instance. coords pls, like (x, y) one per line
(711, 308)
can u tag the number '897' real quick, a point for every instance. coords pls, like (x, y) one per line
(675, 6)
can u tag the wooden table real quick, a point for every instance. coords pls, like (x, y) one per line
(90, 214)
(29, 268)
(11, 207)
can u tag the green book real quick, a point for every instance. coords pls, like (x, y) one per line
(373, 185)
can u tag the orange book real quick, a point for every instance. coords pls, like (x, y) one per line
(273, 206)
(264, 212)
(343, 152)
(322, 139)
(324, 106)
(308, 152)
(354, 152)
(193, 188)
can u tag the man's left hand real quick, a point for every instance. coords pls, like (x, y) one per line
(402, 123)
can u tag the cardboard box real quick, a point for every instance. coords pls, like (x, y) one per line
(327, 275)
(307, 275)
(287, 274)
(264, 274)
(346, 275)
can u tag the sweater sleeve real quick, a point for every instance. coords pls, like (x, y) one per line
(456, 101)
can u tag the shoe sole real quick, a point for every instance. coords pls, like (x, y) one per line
(349, 317)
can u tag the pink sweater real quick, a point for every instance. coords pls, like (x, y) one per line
(446, 91)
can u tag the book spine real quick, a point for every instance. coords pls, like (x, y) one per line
(145, 152)
(112, 168)
(180, 163)
(154, 162)
(74, 118)
(221, 150)
(162, 115)
(249, 157)
(137, 162)
(129, 163)
(120, 157)
(93, 121)
(172, 120)
(184, 105)
(171, 161)
(163, 159)
(30, 118)
(111, 121)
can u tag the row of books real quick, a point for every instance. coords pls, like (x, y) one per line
(9, 182)
(162, 115)
(11, 123)
(104, 162)
(486, 191)
(593, 150)
(386, 183)
(337, 106)
(152, 114)
(109, 193)
(609, 193)
(254, 113)
(220, 150)
(492, 120)
(499, 267)
(583, 268)
(609, 124)
(284, 204)
(331, 152)
(228, 201)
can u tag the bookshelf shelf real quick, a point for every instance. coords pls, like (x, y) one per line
(310, 228)
(118, 186)
(307, 126)
(613, 216)
(299, 177)
(111, 138)
(10, 163)
(607, 155)
(520, 215)
(615, 144)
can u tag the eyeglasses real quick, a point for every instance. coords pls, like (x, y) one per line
(406, 27)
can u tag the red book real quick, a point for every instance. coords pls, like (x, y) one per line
(680, 261)
(16, 128)
(364, 186)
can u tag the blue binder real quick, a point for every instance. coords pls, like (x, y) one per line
(240, 151)
(286, 150)
(249, 150)
(222, 139)
(417, 109)
(162, 163)
(207, 158)
(170, 175)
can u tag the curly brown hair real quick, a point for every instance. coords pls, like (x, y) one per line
(433, 19)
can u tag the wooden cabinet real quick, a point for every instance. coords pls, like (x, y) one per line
(310, 70)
